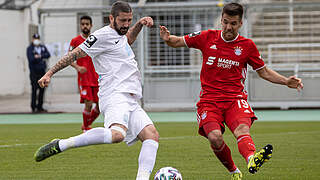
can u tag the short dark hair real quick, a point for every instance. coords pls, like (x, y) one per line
(36, 36)
(233, 9)
(120, 6)
(87, 18)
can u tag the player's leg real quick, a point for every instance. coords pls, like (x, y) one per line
(89, 97)
(86, 115)
(219, 147)
(140, 127)
(40, 100)
(239, 119)
(247, 148)
(113, 132)
(94, 114)
(95, 111)
(211, 126)
(148, 153)
(99, 135)
(33, 82)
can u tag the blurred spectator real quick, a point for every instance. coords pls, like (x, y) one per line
(37, 54)
(87, 77)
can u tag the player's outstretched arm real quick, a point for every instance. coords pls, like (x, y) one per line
(62, 63)
(171, 40)
(135, 29)
(274, 77)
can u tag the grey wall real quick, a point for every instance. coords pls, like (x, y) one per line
(13, 69)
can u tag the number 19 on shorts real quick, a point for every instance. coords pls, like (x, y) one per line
(243, 104)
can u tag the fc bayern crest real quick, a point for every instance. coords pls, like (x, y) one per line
(238, 50)
(204, 115)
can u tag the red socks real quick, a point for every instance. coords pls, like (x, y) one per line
(94, 114)
(246, 146)
(86, 118)
(223, 153)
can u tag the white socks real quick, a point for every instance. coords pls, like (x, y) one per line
(148, 152)
(97, 135)
(248, 160)
(147, 158)
(235, 171)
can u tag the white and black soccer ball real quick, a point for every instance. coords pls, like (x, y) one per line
(168, 173)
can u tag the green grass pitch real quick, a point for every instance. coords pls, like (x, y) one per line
(296, 153)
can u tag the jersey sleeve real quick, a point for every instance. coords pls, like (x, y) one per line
(195, 39)
(72, 45)
(255, 59)
(94, 44)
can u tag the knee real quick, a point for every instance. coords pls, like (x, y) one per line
(155, 135)
(117, 137)
(149, 132)
(118, 134)
(242, 129)
(215, 138)
(88, 106)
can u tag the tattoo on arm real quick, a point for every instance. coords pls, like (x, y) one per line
(133, 32)
(68, 59)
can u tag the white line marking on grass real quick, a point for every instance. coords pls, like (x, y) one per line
(4, 146)
(288, 133)
(16, 145)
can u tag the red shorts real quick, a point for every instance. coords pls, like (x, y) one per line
(212, 116)
(89, 93)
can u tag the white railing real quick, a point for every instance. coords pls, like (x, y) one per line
(288, 46)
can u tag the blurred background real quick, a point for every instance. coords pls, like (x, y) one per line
(286, 32)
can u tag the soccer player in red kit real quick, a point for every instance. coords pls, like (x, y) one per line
(87, 76)
(223, 99)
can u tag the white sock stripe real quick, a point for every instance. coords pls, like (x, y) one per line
(235, 171)
(151, 142)
(249, 159)
(242, 138)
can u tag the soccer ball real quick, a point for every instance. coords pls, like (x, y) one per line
(168, 173)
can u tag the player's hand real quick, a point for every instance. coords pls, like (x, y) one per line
(164, 33)
(44, 81)
(146, 21)
(294, 82)
(82, 69)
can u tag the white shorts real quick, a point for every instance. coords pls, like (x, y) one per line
(124, 109)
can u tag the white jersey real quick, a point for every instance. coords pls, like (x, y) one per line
(114, 62)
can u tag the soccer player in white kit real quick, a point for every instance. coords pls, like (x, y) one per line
(119, 91)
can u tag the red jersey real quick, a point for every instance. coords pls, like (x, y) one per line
(224, 65)
(89, 78)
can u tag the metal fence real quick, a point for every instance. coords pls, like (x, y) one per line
(171, 76)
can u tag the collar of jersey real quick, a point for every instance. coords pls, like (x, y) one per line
(230, 40)
(82, 36)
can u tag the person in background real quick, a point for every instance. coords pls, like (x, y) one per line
(87, 77)
(37, 55)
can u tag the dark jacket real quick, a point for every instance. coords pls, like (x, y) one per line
(37, 65)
